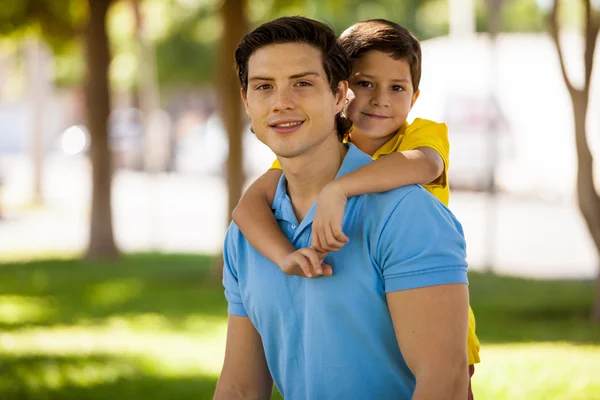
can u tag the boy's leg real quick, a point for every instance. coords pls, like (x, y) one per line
(471, 372)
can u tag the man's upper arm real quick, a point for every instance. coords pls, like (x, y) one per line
(420, 244)
(431, 328)
(235, 304)
(245, 373)
(423, 258)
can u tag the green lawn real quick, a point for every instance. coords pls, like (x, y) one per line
(152, 327)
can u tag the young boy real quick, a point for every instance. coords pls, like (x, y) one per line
(385, 79)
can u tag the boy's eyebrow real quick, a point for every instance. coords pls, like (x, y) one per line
(295, 76)
(374, 77)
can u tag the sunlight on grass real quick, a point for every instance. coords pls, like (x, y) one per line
(53, 374)
(153, 327)
(20, 309)
(163, 353)
(114, 292)
(538, 371)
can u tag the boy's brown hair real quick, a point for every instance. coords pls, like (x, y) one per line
(385, 36)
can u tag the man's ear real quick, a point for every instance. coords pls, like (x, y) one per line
(340, 96)
(245, 100)
(414, 98)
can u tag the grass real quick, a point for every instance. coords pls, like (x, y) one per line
(152, 327)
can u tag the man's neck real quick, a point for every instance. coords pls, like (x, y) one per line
(307, 174)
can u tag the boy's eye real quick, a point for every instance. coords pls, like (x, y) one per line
(397, 88)
(264, 86)
(303, 84)
(365, 84)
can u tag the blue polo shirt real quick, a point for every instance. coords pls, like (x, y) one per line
(332, 337)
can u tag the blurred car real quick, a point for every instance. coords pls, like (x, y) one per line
(480, 141)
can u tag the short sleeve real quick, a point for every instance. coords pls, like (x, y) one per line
(230, 279)
(421, 244)
(426, 133)
(275, 165)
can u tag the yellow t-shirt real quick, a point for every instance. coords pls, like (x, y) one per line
(426, 133)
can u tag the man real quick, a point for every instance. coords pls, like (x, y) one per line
(392, 320)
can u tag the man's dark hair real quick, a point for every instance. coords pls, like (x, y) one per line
(385, 36)
(336, 63)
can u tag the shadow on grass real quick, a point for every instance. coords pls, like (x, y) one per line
(525, 310)
(173, 286)
(93, 378)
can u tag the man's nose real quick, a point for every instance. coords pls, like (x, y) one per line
(284, 100)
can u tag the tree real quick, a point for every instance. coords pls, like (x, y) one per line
(235, 26)
(588, 198)
(97, 56)
(60, 22)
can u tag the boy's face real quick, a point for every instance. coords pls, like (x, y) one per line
(383, 93)
(289, 100)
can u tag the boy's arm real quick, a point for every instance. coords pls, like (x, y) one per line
(255, 219)
(419, 166)
(245, 373)
(422, 165)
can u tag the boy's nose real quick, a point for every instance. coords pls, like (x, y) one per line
(381, 99)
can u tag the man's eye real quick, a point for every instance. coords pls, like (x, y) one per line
(264, 86)
(397, 88)
(303, 84)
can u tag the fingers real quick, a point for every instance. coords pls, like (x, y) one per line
(313, 258)
(332, 243)
(305, 264)
(327, 270)
(318, 239)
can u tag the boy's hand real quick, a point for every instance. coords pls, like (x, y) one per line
(306, 262)
(327, 232)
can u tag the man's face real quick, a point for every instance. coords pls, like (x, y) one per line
(289, 100)
(383, 93)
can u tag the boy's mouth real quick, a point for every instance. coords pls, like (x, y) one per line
(376, 116)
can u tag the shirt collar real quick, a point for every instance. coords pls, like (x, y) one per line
(282, 205)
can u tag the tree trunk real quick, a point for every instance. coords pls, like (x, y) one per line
(235, 26)
(234, 29)
(102, 243)
(589, 201)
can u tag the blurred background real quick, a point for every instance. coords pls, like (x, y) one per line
(124, 147)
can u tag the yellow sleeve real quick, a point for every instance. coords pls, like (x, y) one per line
(275, 165)
(426, 133)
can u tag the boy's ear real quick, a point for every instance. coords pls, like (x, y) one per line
(340, 96)
(245, 100)
(414, 98)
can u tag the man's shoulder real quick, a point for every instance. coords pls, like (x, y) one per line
(233, 237)
(392, 198)
(405, 200)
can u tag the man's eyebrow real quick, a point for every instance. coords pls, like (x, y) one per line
(304, 74)
(374, 77)
(259, 78)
